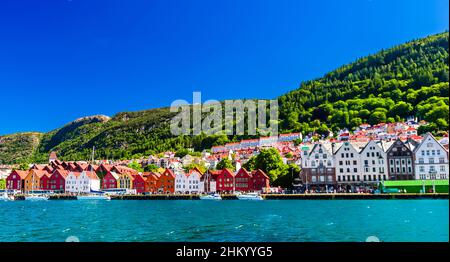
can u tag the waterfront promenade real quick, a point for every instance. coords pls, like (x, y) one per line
(340, 196)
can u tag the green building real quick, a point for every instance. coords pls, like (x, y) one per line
(415, 186)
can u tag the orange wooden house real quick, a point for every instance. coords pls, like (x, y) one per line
(151, 182)
(166, 182)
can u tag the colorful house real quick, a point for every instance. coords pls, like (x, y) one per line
(225, 181)
(110, 180)
(139, 183)
(15, 180)
(243, 180)
(209, 180)
(189, 183)
(260, 180)
(33, 180)
(151, 181)
(166, 182)
(125, 181)
(57, 181)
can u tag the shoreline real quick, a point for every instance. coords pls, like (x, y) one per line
(349, 196)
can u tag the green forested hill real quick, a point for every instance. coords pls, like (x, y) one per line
(409, 79)
(18, 148)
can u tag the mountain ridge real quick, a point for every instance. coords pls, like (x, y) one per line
(390, 85)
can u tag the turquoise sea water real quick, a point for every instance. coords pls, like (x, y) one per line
(225, 221)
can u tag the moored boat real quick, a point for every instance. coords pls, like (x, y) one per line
(211, 197)
(36, 198)
(94, 197)
(249, 196)
(5, 197)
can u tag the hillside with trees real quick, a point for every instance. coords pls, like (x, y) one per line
(18, 148)
(411, 79)
(407, 80)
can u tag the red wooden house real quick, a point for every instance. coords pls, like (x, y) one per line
(15, 180)
(243, 180)
(259, 180)
(225, 181)
(139, 183)
(44, 181)
(57, 180)
(110, 180)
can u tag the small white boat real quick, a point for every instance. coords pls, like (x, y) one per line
(249, 196)
(94, 197)
(36, 198)
(211, 197)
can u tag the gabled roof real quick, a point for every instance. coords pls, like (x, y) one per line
(227, 171)
(243, 170)
(62, 172)
(425, 138)
(91, 175)
(168, 172)
(75, 174)
(40, 173)
(260, 172)
(22, 174)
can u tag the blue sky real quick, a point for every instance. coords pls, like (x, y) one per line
(64, 59)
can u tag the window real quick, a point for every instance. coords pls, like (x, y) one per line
(442, 168)
(421, 169)
(420, 160)
(441, 160)
(431, 160)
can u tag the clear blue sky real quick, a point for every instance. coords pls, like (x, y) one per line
(64, 59)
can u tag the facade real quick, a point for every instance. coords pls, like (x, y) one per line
(72, 182)
(318, 165)
(15, 180)
(431, 160)
(139, 183)
(166, 182)
(151, 180)
(189, 183)
(260, 181)
(57, 180)
(243, 181)
(373, 163)
(110, 180)
(225, 181)
(33, 180)
(82, 182)
(400, 161)
(209, 180)
(348, 164)
(125, 181)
